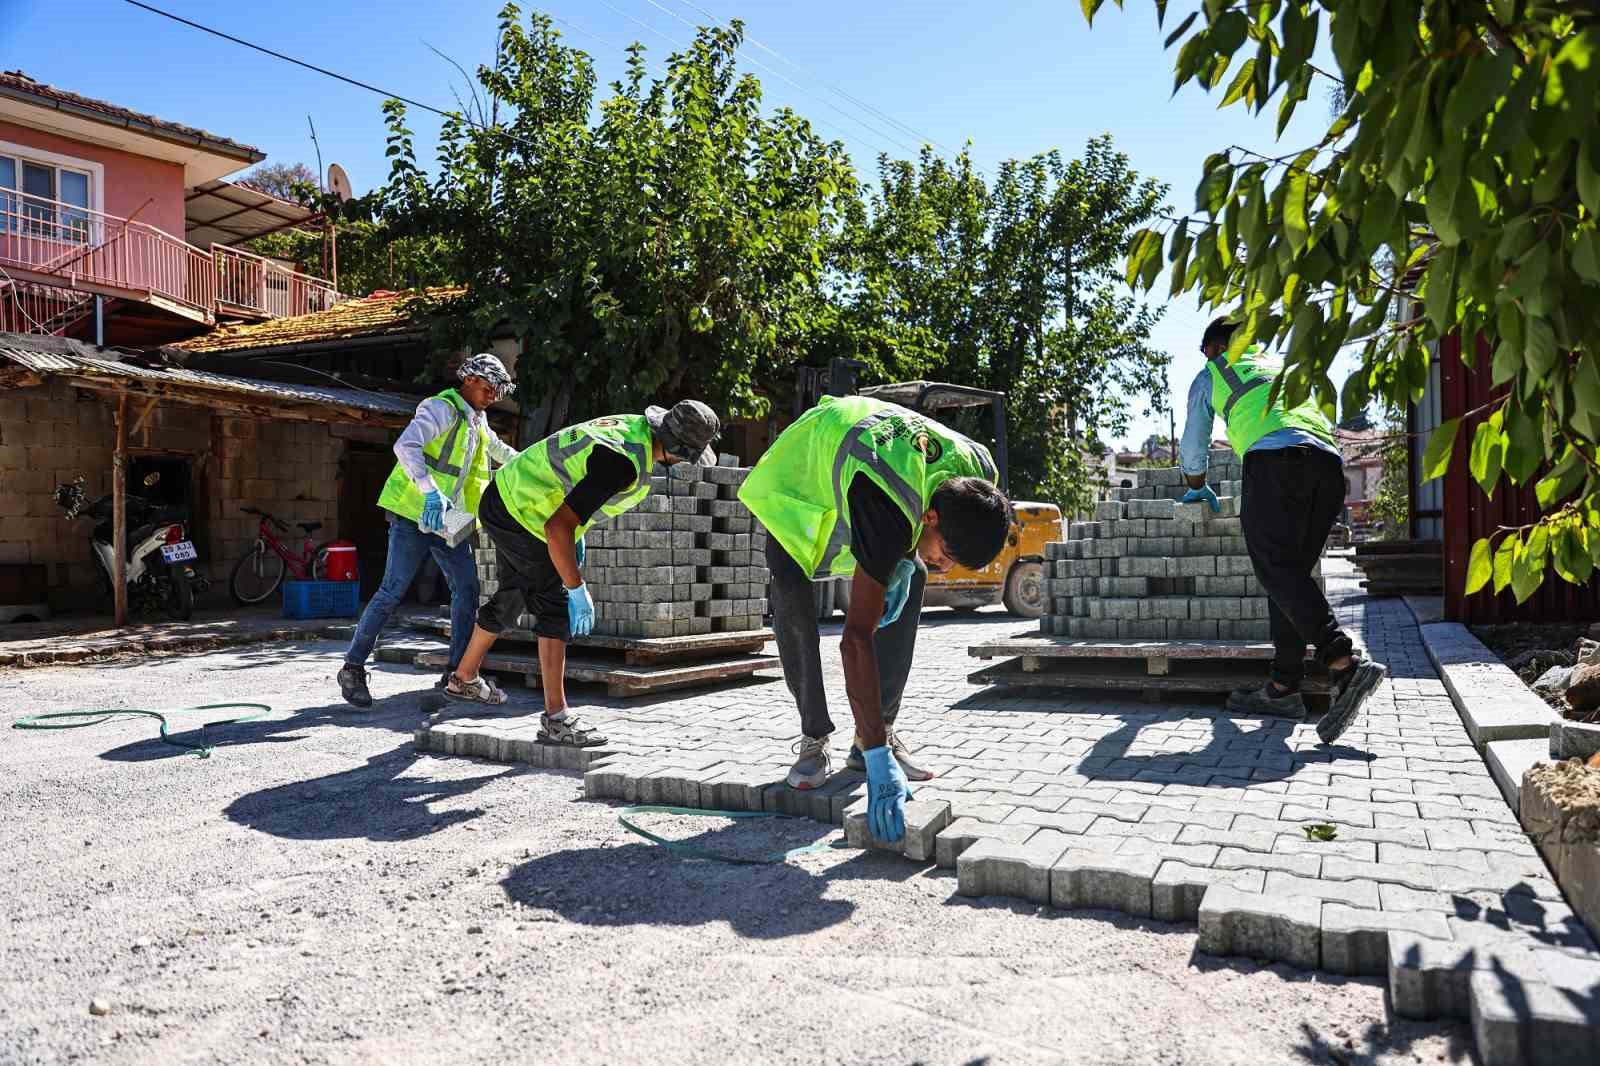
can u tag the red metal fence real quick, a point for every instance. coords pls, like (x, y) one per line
(1469, 514)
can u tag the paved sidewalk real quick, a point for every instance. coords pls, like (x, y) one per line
(94, 637)
(1181, 813)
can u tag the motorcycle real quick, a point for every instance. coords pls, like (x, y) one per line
(160, 570)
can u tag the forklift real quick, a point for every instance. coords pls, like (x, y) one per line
(1016, 576)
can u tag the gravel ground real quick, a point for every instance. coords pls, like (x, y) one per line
(317, 892)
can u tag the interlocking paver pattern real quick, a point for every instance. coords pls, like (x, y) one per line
(1176, 811)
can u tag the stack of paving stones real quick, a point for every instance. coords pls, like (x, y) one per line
(688, 560)
(1151, 568)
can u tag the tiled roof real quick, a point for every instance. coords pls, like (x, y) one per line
(368, 316)
(47, 356)
(15, 82)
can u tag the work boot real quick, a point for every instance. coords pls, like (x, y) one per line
(1350, 688)
(814, 764)
(566, 729)
(1267, 702)
(902, 755)
(353, 686)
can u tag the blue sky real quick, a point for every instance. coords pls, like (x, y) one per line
(1015, 77)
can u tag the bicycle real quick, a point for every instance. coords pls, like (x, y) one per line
(260, 572)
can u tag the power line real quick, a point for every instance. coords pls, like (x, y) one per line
(774, 72)
(913, 131)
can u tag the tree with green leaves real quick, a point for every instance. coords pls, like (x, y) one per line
(1012, 285)
(1462, 172)
(667, 240)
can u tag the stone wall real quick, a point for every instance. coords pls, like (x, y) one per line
(52, 433)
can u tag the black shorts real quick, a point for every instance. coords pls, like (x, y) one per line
(528, 579)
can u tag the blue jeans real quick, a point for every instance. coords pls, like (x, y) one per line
(408, 545)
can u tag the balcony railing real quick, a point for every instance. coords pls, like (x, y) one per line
(252, 283)
(79, 248)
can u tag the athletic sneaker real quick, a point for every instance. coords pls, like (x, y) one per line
(902, 755)
(1267, 704)
(479, 690)
(569, 731)
(814, 764)
(353, 686)
(1350, 687)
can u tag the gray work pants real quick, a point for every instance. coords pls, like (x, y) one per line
(794, 623)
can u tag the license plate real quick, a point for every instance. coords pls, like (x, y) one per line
(179, 552)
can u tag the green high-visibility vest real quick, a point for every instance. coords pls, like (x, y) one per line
(1239, 393)
(799, 489)
(445, 457)
(534, 485)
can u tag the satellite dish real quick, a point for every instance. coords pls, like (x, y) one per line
(339, 182)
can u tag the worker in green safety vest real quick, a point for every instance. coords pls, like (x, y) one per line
(1293, 491)
(441, 463)
(867, 490)
(535, 513)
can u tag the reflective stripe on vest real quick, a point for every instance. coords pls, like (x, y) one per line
(1247, 427)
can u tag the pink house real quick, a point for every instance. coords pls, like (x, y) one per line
(118, 227)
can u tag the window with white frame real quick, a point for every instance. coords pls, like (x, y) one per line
(45, 199)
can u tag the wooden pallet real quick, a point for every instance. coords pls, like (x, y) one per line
(1152, 668)
(636, 651)
(622, 680)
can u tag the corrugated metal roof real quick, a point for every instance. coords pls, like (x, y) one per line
(48, 356)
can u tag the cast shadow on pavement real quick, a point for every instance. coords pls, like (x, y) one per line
(374, 801)
(1232, 757)
(644, 884)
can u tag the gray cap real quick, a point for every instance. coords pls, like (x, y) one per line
(686, 431)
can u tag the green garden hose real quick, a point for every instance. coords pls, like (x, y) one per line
(705, 853)
(73, 720)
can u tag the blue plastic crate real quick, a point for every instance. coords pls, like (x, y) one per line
(321, 599)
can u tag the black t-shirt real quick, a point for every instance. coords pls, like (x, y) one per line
(880, 535)
(608, 473)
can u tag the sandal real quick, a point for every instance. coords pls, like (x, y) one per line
(479, 690)
(568, 731)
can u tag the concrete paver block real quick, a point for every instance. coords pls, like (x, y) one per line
(1508, 760)
(1530, 1023)
(1177, 888)
(925, 819)
(1022, 871)
(1355, 940)
(1261, 925)
(1096, 880)
(962, 833)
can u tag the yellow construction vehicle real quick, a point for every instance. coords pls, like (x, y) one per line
(1016, 577)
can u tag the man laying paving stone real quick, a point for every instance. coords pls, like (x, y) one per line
(865, 489)
(535, 513)
(1293, 490)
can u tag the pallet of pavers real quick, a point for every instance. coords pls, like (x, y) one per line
(1151, 668)
(1151, 596)
(627, 666)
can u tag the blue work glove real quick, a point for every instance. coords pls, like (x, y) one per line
(577, 549)
(580, 611)
(432, 519)
(1203, 493)
(887, 793)
(897, 591)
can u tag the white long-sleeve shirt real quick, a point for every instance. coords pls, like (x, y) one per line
(432, 421)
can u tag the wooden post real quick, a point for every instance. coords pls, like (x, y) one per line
(119, 513)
